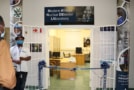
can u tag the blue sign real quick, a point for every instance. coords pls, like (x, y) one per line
(121, 80)
(69, 15)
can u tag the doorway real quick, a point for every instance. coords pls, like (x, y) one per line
(62, 44)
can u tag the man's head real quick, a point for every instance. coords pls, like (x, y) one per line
(19, 40)
(2, 25)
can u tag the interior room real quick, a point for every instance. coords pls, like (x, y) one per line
(74, 33)
(69, 41)
(69, 48)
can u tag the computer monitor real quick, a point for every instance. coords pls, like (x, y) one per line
(56, 54)
(50, 54)
(78, 50)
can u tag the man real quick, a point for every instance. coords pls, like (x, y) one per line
(5, 59)
(20, 56)
(2, 25)
(1, 36)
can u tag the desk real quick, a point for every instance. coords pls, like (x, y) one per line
(67, 74)
(65, 63)
(54, 62)
(80, 59)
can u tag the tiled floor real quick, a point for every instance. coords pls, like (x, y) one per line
(80, 83)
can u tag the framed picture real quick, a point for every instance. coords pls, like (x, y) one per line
(35, 47)
(86, 42)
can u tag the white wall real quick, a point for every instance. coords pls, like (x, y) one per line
(5, 11)
(33, 10)
(72, 38)
(131, 64)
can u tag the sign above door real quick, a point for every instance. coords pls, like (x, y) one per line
(70, 15)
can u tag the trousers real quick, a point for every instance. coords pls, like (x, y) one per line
(2, 88)
(21, 80)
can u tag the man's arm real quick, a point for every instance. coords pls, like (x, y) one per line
(17, 62)
(25, 58)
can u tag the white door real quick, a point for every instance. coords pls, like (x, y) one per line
(103, 48)
(36, 39)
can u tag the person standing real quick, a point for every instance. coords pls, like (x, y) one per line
(5, 60)
(2, 26)
(20, 56)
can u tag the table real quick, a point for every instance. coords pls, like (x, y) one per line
(65, 63)
(80, 59)
(67, 74)
(54, 62)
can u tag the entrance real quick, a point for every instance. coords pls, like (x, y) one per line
(69, 48)
(69, 41)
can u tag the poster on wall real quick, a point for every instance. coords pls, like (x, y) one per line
(15, 20)
(86, 42)
(123, 49)
(70, 15)
(35, 47)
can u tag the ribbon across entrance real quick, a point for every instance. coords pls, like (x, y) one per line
(42, 64)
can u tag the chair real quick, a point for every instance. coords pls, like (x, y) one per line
(87, 58)
(66, 55)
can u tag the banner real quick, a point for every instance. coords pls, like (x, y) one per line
(123, 49)
(70, 15)
(15, 20)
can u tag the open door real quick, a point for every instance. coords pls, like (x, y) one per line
(103, 48)
(36, 39)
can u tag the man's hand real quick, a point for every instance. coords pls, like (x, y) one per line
(17, 62)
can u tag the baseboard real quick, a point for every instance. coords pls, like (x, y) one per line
(131, 89)
(112, 89)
